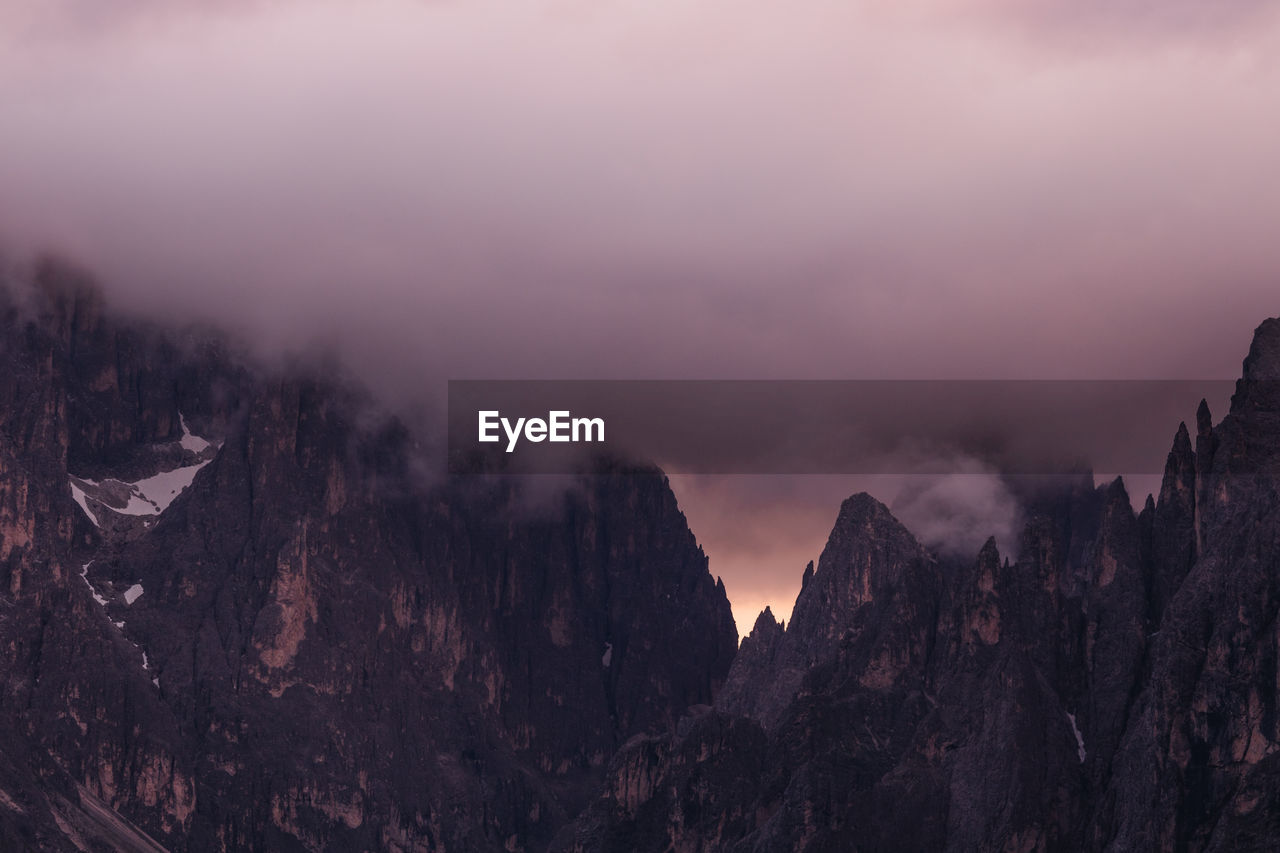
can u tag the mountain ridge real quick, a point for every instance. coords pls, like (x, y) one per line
(1112, 688)
(311, 647)
(306, 645)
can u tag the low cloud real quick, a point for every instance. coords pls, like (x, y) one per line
(698, 189)
(1121, 23)
(956, 513)
(706, 189)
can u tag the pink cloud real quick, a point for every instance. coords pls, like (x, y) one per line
(710, 189)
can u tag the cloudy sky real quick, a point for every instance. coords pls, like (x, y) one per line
(703, 188)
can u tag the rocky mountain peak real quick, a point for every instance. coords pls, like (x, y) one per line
(304, 646)
(1182, 442)
(766, 627)
(1204, 419)
(872, 581)
(1263, 361)
(1113, 689)
(863, 556)
(301, 644)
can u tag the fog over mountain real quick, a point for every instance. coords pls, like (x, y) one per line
(702, 189)
(245, 245)
(707, 189)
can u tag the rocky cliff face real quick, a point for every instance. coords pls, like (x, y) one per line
(1114, 688)
(235, 618)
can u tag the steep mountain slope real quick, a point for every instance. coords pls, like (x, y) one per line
(1114, 688)
(235, 616)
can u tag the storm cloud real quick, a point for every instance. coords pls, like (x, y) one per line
(703, 189)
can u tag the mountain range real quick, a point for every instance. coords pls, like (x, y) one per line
(239, 612)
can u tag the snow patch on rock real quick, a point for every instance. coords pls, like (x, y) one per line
(1075, 730)
(191, 441)
(149, 496)
(77, 493)
(84, 573)
(153, 495)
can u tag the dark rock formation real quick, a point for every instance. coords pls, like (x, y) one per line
(310, 646)
(1114, 689)
(235, 615)
(874, 586)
